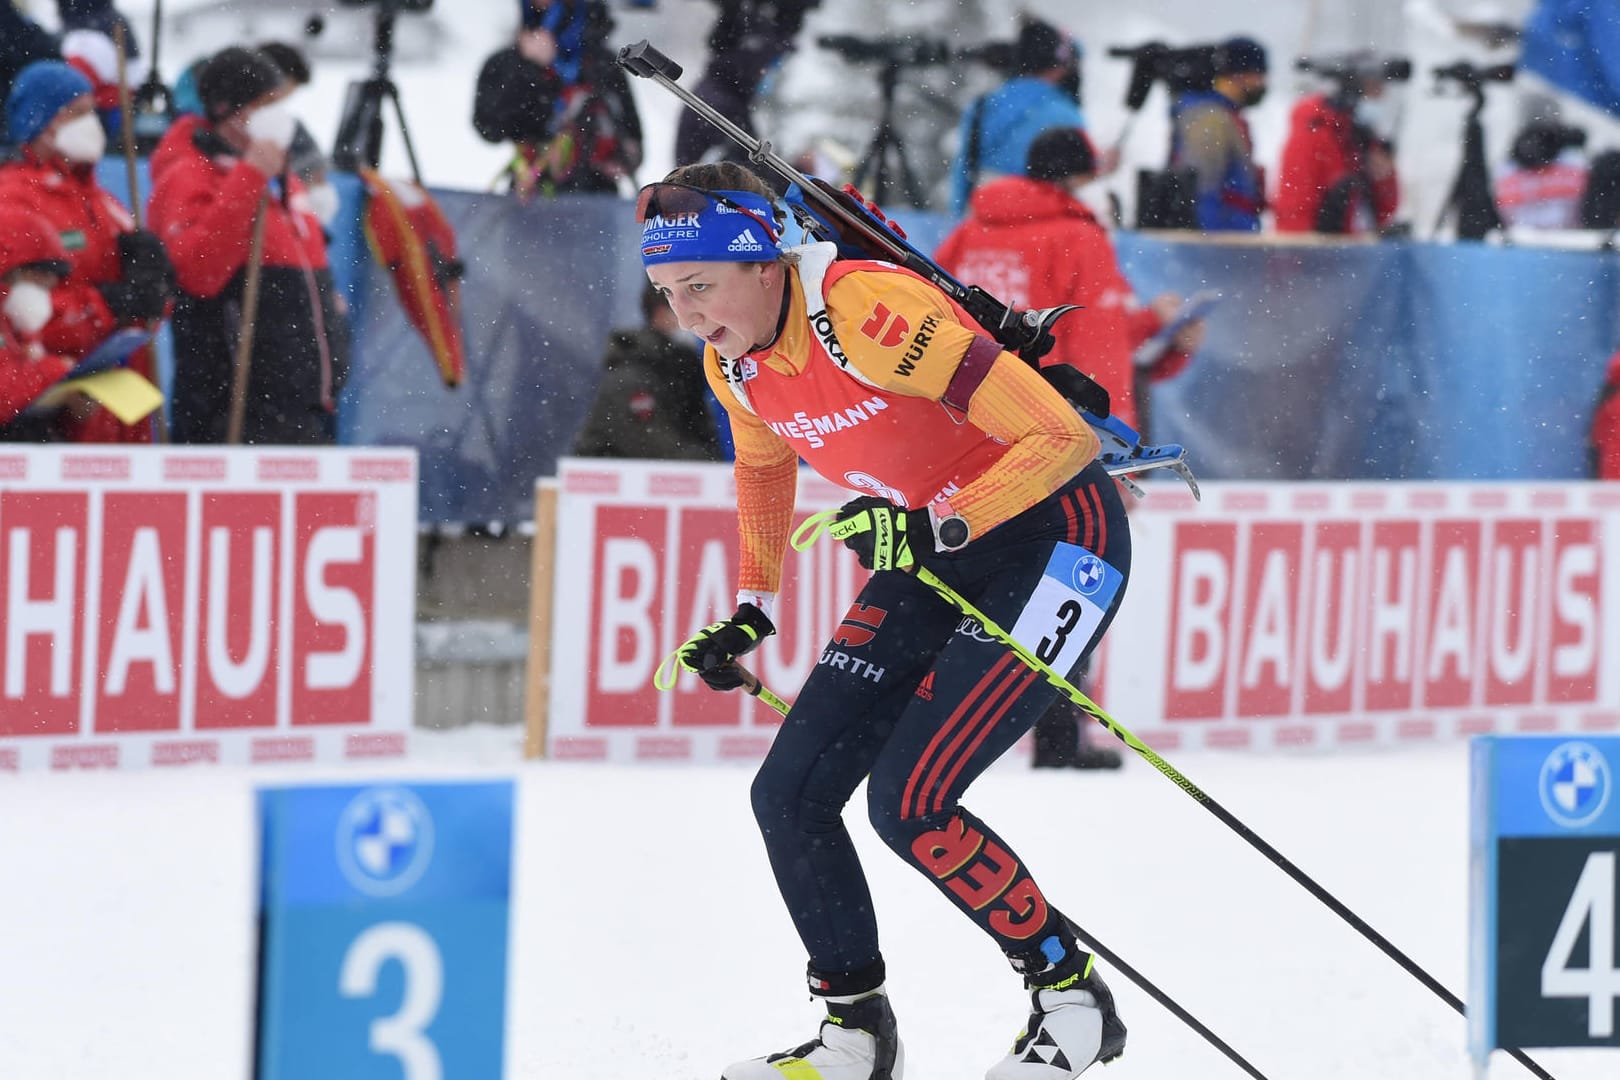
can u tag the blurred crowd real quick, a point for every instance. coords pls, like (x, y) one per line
(230, 247)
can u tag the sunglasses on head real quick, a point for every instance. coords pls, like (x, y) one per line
(666, 200)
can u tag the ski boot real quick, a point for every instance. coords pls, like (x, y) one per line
(1072, 1022)
(858, 1041)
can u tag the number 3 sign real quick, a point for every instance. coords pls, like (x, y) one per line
(1545, 873)
(383, 931)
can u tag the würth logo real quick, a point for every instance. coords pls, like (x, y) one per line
(885, 327)
(861, 624)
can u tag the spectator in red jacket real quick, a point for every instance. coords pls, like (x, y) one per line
(32, 262)
(1606, 426)
(1337, 173)
(120, 276)
(1032, 242)
(213, 176)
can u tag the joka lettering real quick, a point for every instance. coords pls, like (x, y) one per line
(980, 872)
(821, 323)
(852, 664)
(919, 344)
(861, 624)
(812, 428)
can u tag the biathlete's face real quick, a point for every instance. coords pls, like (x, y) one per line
(730, 305)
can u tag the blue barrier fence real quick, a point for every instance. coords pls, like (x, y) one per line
(1357, 361)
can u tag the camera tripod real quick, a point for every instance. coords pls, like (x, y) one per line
(886, 151)
(1470, 196)
(360, 134)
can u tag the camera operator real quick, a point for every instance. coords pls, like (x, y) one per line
(1546, 173)
(559, 98)
(998, 128)
(748, 38)
(1337, 173)
(1210, 136)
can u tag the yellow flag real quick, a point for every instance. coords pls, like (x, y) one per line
(124, 393)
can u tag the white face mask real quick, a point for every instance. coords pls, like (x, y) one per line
(275, 123)
(82, 139)
(1378, 115)
(323, 201)
(28, 307)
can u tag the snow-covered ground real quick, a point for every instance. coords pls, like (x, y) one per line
(648, 940)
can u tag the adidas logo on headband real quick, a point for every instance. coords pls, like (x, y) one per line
(745, 241)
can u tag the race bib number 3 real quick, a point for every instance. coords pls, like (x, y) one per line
(1075, 592)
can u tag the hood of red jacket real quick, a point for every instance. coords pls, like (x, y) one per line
(1014, 199)
(176, 145)
(1314, 111)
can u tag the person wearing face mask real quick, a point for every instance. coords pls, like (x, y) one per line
(1031, 241)
(997, 129)
(305, 159)
(119, 276)
(213, 176)
(1337, 173)
(1210, 135)
(32, 263)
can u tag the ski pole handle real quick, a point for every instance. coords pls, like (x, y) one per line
(665, 674)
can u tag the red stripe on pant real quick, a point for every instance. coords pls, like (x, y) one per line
(984, 729)
(954, 731)
(1092, 496)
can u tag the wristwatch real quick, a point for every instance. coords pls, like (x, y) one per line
(951, 531)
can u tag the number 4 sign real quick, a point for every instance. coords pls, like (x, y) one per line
(383, 931)
(1545, 872)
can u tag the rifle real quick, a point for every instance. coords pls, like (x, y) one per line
(860, 230)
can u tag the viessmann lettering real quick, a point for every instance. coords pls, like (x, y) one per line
(812, 428)
(1334, 616)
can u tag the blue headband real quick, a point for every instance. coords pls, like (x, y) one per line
(717, 233)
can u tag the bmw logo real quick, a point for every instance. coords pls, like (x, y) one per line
(1088, 574)
(384, 841)
(1575, 784)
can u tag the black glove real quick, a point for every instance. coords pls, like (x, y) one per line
(883, 536)
(146, 279)
(709, 652)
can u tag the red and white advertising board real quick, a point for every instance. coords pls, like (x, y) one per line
(1311, 615)
(163, 606)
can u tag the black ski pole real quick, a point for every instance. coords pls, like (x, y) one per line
(1164, 999)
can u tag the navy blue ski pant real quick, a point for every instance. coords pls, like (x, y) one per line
(920, 700)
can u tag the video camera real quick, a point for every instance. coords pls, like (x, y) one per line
(916, 51)
(1352, 68)
(1181, 70)
(1472, 77)
(1540, 142)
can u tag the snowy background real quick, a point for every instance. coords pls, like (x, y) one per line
(647, 938)
(818, 98)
